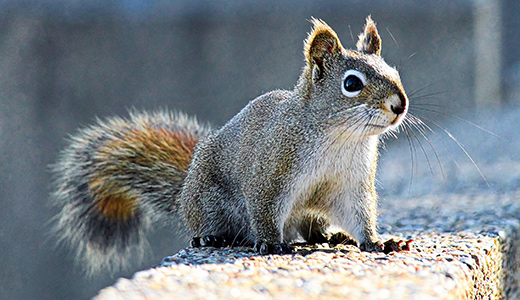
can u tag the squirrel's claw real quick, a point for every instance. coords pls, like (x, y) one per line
(209, 241)
(264, 248)
(376, 246)
(341, 238)
(195, 242)
(393, 245)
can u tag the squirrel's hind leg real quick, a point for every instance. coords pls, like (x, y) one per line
(313, 228)
(341, 238)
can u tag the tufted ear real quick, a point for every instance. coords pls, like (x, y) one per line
(369, 41)
(321, 45)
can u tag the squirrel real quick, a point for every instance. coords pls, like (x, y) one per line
(288, 166)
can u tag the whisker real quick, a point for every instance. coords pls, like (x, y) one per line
(461, 146)
(403, 62)
(354, 127)
(414, 92)
(393, 38)
(351, 34)
(427, 96)
(367, 118)
(359, 116)
(463, 120)
(347, 119)
(390, 133)
(413, 153)
(423, 134)
(419, 122)
(344, 110)
(421, 104)
(411, 55)
(236, 236)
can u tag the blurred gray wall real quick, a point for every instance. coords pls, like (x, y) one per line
(62, 63)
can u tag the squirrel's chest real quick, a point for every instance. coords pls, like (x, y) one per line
(335, 173)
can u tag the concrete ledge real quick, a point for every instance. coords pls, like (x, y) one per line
(466, 247)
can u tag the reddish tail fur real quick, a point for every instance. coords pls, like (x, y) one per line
(116, 179)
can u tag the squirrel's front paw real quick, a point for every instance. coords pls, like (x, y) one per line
(393, 245)
(369, 246)
(264, 248)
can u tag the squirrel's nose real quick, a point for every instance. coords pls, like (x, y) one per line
(397, 109)
(396, 104)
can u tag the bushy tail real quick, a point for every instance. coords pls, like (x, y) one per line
(117, 178)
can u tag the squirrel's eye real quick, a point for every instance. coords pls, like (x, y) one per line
(353, 82)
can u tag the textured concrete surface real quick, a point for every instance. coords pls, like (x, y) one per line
(467, 250)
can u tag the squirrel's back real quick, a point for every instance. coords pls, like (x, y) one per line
(117, 178)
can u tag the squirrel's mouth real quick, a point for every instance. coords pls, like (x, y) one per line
(375, 129)
(397, 120)
(376, 126)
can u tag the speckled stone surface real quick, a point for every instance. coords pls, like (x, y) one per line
(465, 247)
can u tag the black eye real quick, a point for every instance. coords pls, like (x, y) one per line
(353, 84)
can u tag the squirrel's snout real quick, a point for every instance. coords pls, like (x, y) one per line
(398, 109)
(396, 104)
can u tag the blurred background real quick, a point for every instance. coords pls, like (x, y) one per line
(65, 62)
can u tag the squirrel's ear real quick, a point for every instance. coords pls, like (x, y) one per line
(321, 44)
(369, 41)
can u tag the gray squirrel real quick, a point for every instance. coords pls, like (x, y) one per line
(287, 167)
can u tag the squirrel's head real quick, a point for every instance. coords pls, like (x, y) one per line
(357, 84)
